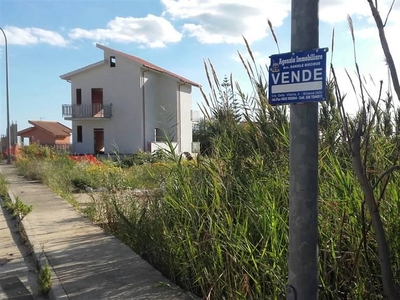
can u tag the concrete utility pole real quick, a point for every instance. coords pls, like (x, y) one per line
(8, 103)
(303, 191)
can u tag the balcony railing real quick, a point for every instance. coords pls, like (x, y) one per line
(87, 111)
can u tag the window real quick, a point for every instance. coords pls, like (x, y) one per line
(160, 135)
(78, 96)
(112, 61)
(79, 134)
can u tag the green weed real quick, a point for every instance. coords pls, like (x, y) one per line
(21, 209)
(44, 280)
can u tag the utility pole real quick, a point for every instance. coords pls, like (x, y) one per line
(8, 103)
(303, 191)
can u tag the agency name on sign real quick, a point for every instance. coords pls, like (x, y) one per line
(297, 77)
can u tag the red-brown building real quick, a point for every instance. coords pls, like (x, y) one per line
(46, 133)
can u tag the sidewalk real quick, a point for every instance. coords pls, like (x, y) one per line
(87, 263)
(15, 272)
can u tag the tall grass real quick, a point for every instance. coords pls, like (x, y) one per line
(220, 228)
(218, 225)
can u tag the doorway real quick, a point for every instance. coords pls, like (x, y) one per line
(97, 102)
(98, 134)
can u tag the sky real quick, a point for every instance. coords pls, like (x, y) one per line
(48, 38)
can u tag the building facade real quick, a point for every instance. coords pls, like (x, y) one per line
(124, 104)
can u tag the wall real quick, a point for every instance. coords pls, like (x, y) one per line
(87, 144)
(40, 136)
(163, 96)
(185, 99)
(161, 108)
(151, 110)
(121, 88)
(65, 140)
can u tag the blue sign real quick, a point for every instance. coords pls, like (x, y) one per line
(297, 77)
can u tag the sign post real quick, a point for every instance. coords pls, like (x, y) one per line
(303, 166)
(299, 78)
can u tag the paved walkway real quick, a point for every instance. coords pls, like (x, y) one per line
(87, 263)
(15, 272)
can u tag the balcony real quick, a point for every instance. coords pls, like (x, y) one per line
(86, 111)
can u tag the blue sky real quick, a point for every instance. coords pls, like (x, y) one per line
(49, 38)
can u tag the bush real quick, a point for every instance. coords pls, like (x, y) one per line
(141, 157)
(37, 151)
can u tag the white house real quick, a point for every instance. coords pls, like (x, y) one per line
(124, 103)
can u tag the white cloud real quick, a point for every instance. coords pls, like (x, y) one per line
(225, 21)
(333, 11)
(150, 31)
(375, 63)
(371, 62)
(370, 32)
(32, 36)
(371, 76)
(260, 59)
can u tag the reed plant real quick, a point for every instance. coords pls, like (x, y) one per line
(218, 225)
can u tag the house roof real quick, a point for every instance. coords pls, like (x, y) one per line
(54, 128)
(149, 65)
(142, 62)
(68, 75)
